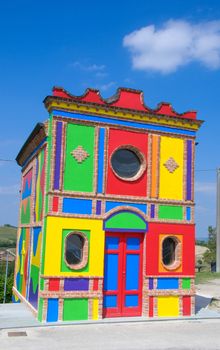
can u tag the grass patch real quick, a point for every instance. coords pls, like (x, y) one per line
(203, 277)
(8, 236)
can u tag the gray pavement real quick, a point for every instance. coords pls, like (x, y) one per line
(199, 332)
(169, 335)
(210, 288)
(16, 315)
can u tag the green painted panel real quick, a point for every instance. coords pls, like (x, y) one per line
(40, 310)
(34, 274)
(186, 283)
(75, 309)
(64, 267)
(26, 211)
(170, 212)
(126, 221)
(78, 176)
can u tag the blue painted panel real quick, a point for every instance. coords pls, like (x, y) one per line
(27, 189)
(110, 205)
(167, 283)
(133, 243)
(121, 122)
(111, 272)
(77, 206)
(131, 300)
(101, 159)
(151, 283)
(52, 310)
(188, 213)
(36, 232)
(110, 301)
(111, 243)
(132, 269)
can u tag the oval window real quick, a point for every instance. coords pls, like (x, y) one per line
(126, 163)
(74, 249)
(169, 251)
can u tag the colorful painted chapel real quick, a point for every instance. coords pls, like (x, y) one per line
(107, 210)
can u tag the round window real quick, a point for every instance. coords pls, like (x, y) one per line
(127, 163)
(74, 249)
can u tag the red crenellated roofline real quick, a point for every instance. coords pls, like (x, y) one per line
(124, 98)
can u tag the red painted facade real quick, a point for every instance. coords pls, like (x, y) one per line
(115, 185)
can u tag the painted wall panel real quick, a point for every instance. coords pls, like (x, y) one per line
(189, 170)
(125, 220)
(168, 306)
(79, 175)
(186, 283)
(23, 262)
(188, 213)
(111, 205)
(76, 284)
(115, 185)
(75, 309)
(171, 182)
(26, 198)
(95, 309)
(58, 150)
(154, 165)
(53, 251)
(170, 212)
(167, 283)
(35, 266)
(40, 183)
(101, 148)
(186, 305)
(187, 232)
(77, 206)
(52, 310)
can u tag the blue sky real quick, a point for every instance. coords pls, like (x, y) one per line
(168, 49)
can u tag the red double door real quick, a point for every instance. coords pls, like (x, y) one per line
(123, 274)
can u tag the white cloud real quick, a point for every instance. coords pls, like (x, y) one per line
(107, 86)
(89, 67)
(13, 189)
(205, 187)
(175, 44)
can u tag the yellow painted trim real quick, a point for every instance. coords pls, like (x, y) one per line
(53, 250)
(95, 309)
(160, 119)
(168, 306)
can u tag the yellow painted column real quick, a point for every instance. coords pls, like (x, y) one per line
(171, 168)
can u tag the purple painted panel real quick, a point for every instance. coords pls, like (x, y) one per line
(151, 283)
(33, 297)
(76, 284)
(189, 171)
(152, 211)
(98, 207)
(58, 155)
